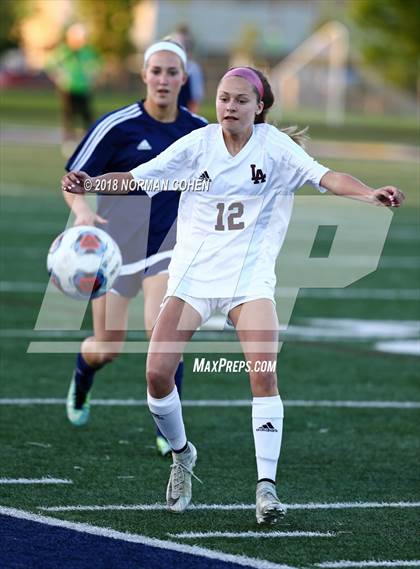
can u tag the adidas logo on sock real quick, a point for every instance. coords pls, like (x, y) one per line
(205, 176)
(268, 427)
(158, 416)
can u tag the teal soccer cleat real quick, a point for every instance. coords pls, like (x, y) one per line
(77, 405)
(162, 446)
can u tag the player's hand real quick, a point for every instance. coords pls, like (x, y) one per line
(89, 217)
(389, 196)
(75, 182)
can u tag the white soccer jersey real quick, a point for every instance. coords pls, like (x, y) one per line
(228, 237)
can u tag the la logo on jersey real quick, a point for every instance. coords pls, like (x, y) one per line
(144, 145)
(258, 175)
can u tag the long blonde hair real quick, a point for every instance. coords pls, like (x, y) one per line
(298, 135)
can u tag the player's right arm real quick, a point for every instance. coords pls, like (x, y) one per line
(78, 182)
(94, 154)
(91, 154)
(172, 163)
(83, 213)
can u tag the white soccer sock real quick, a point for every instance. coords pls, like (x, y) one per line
(167, 414)
(267, 426)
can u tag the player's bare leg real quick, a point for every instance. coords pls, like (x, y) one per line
(174, 327)
(257, 329)
(110, 317)
(154, 289)
(110, 313)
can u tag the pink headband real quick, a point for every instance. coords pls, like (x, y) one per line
(249, 75)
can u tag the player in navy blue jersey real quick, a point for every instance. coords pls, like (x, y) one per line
(144, 229)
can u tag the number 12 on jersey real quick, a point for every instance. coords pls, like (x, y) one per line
(236, 210)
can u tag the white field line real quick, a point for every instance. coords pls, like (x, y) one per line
(386, 262)
(144, 540)
(22, 333)
(229, 507)
(400, 233)
(319, 328)
(45, 480)
(223, 403)
(348, 293)
(345, 564)
(409, 347)
(248, 534)
(357, 293)
(211, 346)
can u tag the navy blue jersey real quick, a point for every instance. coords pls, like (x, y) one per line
(185, 96)
(118, 142)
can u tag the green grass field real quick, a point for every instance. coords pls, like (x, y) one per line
(330, 455)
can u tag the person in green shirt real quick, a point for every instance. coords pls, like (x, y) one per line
(73, 67)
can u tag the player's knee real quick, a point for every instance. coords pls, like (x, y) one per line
(158, 378)
(264, 383)
(109, 356)
(102, 352)
(111, 348)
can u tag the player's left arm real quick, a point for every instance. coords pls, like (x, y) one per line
(345, 185)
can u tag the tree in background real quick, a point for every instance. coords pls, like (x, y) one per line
(390, 38)
(12, 13)
(109, 23)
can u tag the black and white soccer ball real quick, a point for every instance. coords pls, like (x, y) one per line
(84, 262)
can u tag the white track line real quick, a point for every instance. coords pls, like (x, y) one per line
(144, 540)
(222, 403)
(223, 507)
(46, 480)
(344, 564)
(248, 534)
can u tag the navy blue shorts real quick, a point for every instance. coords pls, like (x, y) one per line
(130, 281)
(145, 237)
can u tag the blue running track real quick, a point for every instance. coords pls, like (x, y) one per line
(26, 544)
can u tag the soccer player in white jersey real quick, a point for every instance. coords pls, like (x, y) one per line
(228, 239)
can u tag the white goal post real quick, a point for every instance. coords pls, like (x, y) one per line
(329, 45)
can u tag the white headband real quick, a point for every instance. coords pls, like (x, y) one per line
(166, 46)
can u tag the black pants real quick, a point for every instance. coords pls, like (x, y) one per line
(75, 105)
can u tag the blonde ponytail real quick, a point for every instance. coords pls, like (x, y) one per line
(300, 136)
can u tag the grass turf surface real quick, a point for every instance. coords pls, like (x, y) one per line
(328, 455)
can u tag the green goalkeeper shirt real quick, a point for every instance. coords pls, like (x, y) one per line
(73, 71)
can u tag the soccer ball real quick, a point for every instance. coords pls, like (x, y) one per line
(84, 262)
